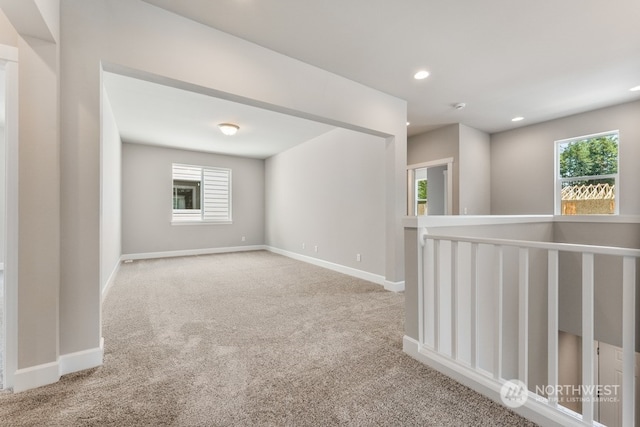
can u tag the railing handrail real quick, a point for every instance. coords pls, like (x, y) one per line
(562, 247)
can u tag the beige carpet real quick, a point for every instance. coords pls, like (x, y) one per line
(251, 339)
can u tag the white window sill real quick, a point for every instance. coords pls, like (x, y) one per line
(187, 222)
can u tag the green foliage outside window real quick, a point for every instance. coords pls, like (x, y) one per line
(422, 190)
(590, 157)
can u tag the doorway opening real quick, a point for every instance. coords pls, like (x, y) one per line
(429, 187)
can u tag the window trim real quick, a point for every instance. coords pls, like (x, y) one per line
(558, 180)
(198, 216)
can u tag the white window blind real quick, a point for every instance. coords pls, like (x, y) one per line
(187, 173)
(217, 194)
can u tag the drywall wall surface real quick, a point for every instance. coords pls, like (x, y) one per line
(436, 189)
(3, 194)
(608, 277)
(329, 193)
(474, 172)
(147, 186)
(39, 233)
(522, 160)
(8, 35)
(110, 201)
(438, 144)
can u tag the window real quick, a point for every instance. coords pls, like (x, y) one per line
(201, 193)
(587, 174)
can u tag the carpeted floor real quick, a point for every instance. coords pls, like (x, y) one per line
(251, 339)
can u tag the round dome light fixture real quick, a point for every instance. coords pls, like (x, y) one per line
(228, 128)
(421, 75)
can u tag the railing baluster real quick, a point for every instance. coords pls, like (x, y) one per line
(588, 359)
(628, 340)
(427, 294)
(422, 263)
(454, 300)
(474, 306)
(552, 325)
(436, 295)
(497, 350)
(430, 293)
(523, 315)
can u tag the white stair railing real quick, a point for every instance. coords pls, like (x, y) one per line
(439, 280)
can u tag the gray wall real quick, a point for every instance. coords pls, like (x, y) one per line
(471, 153)
(110, 202)
(2, 186)
(522, 160)
(475, 172)
(438, 144)
(8, 35)
(335, 201)
(146, 202)
(436, 181)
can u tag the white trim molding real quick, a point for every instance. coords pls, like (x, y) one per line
(533, 409)
(191, 252)
(349, 271)
(394, 286)
(49, 373)
(35, 376)
(110, 280)
(81, 360)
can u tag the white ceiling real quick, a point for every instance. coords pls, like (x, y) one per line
(503, 58)
(155, 114)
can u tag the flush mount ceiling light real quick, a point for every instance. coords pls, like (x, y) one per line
(420, 75)
(517, 119)
(228, 128)
(635, 89)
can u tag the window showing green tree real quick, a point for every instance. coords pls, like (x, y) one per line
(587, 174)
(590, 157)
(421, 197)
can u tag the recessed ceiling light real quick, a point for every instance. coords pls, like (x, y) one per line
(408, 123)
(422, 74)
(517, 119)
(635, 89)
(228, 128)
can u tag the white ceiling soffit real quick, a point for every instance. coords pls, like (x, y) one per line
(503, 58)
(155, 114)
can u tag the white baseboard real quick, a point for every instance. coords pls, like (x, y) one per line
(81, 360)
(191, 252)
(360, 274)
(49, 373)
(533, 409)
(35, 376)
(111, 279)
(394, 286)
